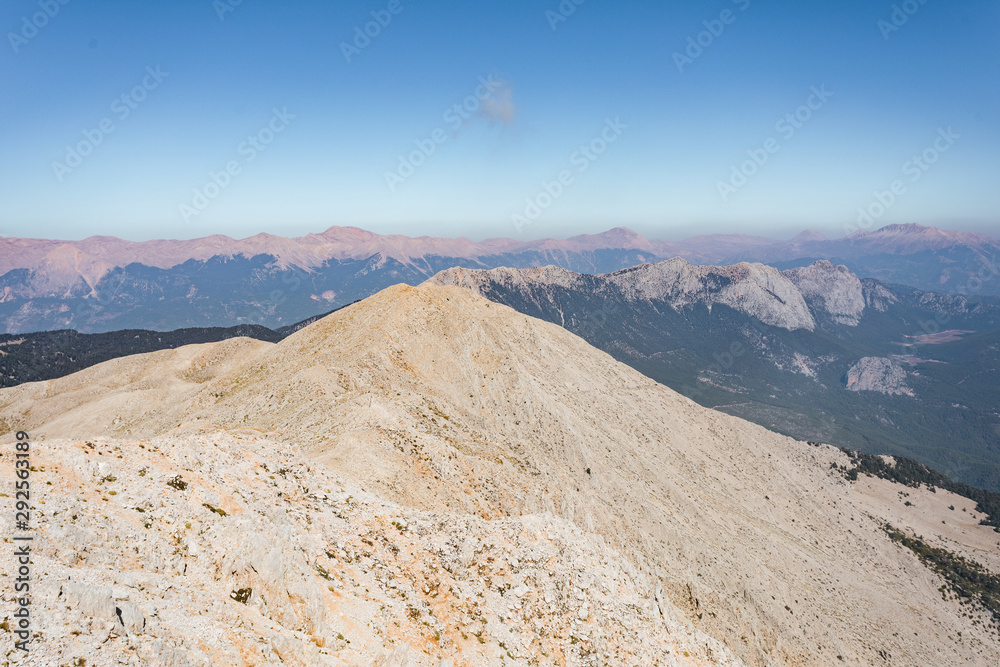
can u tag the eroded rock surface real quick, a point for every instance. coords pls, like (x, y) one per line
(879, 374)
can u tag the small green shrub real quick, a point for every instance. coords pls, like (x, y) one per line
(220, 512)
(242, 595)
(968, 580)
(178, 483)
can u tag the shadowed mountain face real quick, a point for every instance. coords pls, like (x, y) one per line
(594, 511)
(103, 284)
(813, 352)
(228, 291)
(45, 355)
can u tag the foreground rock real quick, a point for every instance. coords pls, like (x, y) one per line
(232, 549)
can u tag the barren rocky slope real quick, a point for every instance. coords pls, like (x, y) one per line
(230, 549)
(441, 404)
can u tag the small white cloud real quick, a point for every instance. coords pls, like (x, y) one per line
(499, 107)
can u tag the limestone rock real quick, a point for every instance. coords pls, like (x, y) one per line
(835, 289)
(754, 289)
(877, 374)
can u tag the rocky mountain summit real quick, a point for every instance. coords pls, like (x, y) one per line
(927, 258)
(430, 478)
(790, 299)
(833, 289)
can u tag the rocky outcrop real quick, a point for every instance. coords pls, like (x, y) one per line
(877, 374)
(481, 281)
(832, 289)
(753, 289)
(878, 296)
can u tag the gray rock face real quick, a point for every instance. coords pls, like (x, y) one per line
(833, 288)
(131, 617)
(94, 601)
(754, 289)
(878, 296)
(478, 280)
(878, 374)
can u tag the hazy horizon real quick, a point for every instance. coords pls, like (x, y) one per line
(678, 235)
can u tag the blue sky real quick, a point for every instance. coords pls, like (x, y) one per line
(311, 136)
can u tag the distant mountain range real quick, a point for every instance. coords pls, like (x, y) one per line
(814, 352)
(103, 284)
(927, 258)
